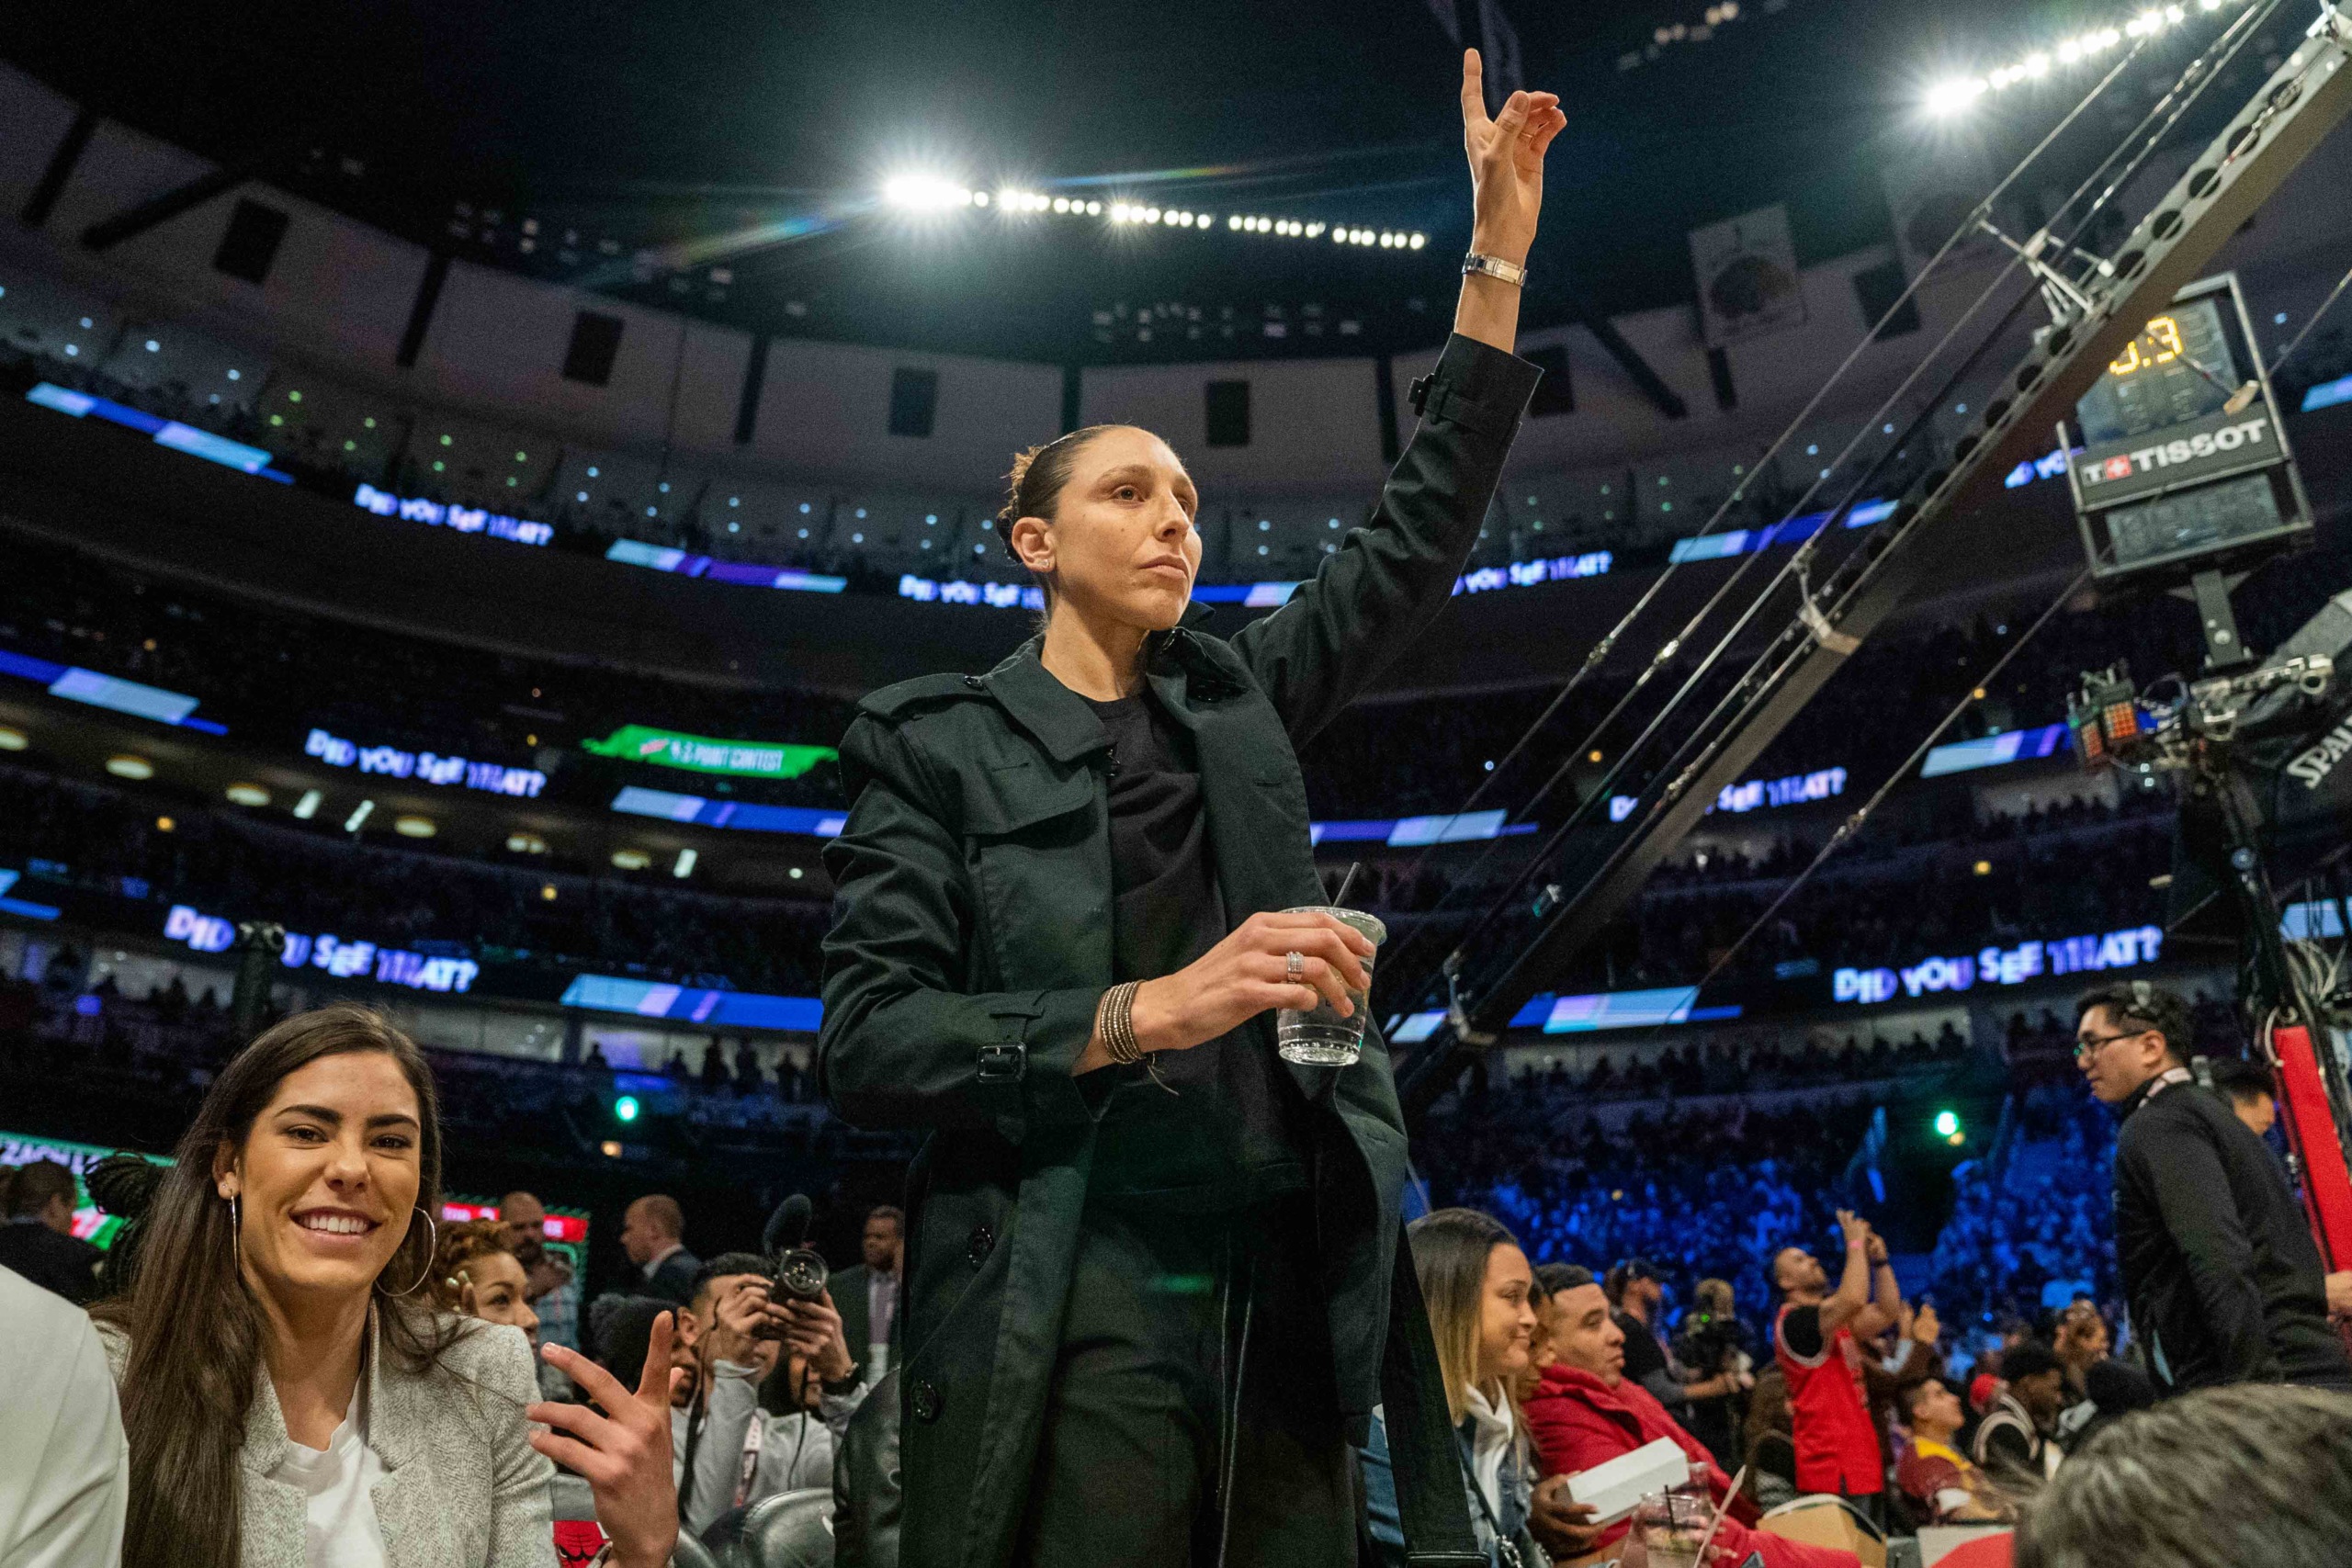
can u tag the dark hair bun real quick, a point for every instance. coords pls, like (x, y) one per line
(123, 1185)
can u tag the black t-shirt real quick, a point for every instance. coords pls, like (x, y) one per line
(1232, 1132)
(1645, 1357)
(1801, 1331)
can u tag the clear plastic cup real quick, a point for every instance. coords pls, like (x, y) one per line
(1673, 1526)
(1322, 1038)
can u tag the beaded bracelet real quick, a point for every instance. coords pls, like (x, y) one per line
(1115, 1019)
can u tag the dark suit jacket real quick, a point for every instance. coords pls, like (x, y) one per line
(972, 941)
(674, 1280)
(849, 1288)
(2224, 1283)
(64, 1264)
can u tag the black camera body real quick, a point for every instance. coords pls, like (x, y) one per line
(800, 1273)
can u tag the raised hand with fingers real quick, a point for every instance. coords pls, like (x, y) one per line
(1925, 1326)
(1506, 163)
(623, 1450)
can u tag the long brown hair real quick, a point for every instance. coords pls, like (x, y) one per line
(1450, 1250)
(193, 1328)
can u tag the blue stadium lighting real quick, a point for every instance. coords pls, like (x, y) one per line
(23, 908)
(2328, 394)
(110, 691)
(166, 431)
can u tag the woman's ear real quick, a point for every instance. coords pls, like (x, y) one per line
(1033, 542)
(224, 1171)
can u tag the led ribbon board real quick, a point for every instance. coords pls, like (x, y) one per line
(456, 519)
(424, 767)
(168, 432)
(343, 959)
(707, 754)
(691, 1004)
(2001, 965)
(110, 691)
(20, 1149)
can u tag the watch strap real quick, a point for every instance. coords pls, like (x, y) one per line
(1493, 267)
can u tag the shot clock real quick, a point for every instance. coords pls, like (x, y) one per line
(2182, 463)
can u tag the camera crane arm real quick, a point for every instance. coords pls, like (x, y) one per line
(2304, 99)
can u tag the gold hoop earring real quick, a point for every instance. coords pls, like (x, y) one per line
(433, 1244)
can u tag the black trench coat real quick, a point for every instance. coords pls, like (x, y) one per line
(971, 942)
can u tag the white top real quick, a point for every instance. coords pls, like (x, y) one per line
(64, 1469)
(1491, 1434)
(339, 1526)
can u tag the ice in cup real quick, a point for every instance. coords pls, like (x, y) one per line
(1673, 1526)
(1322, 1038)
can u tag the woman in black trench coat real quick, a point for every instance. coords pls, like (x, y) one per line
(1148, 1304)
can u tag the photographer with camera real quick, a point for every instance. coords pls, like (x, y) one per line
(750, 1330)
(1713, 1348)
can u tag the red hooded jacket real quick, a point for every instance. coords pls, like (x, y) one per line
(1578, 1422)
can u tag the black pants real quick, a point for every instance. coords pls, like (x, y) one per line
(1194, 1419)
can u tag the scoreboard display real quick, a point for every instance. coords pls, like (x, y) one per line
(2178, 460)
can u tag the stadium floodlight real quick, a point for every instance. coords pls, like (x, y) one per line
(626, 1107)
(929, 193)
(1949, 96)
(1947, 1123)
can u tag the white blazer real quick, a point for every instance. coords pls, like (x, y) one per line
(462, 1486)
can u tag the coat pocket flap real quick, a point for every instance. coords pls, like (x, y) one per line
(1007, 797)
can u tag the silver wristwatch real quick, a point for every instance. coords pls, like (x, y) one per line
(1493, 267)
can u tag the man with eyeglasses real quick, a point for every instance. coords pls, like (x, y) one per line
(2218, 1266)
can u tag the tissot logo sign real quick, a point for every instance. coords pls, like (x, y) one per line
(2218, 443)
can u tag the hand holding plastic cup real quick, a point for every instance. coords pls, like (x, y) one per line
(1322, 1038)
(1674, 1526)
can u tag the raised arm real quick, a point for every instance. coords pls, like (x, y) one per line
(1389, 580)
(1845, 1305)
(1886, 1308)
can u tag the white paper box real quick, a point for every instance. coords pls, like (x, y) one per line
(1613, 1488)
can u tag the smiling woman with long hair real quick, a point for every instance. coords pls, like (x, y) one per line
(1151, 1266)
(290, 1395)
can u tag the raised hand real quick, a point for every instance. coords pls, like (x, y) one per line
(1925, 1326)
(1506, 163)
(624, 1452)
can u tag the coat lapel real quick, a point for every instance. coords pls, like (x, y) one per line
(275, 1512)
(409, 1516)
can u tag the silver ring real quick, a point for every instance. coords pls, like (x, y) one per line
(1293, 967)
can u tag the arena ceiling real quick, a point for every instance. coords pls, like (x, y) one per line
(724, 157)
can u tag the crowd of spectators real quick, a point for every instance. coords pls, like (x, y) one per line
(1709, 1191)
(269, 671)
(1731, 1062)
(240, 867)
